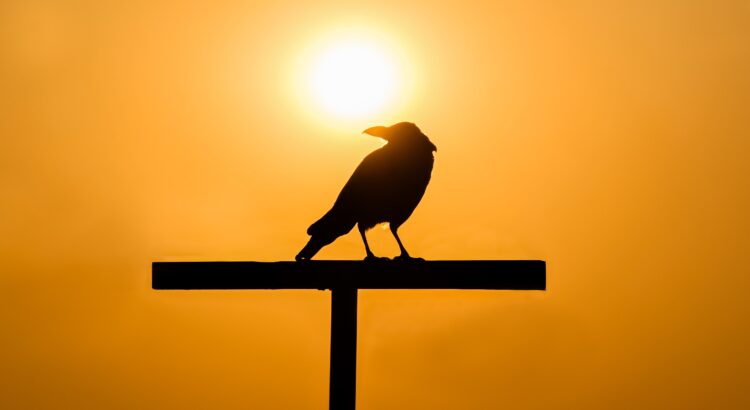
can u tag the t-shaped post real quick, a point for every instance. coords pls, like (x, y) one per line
(344, 278)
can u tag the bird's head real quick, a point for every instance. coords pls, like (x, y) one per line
(403, 133)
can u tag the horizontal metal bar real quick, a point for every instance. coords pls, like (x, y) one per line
(478, 274)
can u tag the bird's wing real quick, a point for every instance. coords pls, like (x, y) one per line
(366, 183)
(356, 198)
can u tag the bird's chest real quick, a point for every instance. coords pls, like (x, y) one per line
(404, 187)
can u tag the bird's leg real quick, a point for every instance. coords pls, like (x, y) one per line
(370, 255)
(404, 254)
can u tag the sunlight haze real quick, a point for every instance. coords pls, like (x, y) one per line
(352, 79)
(608, 138)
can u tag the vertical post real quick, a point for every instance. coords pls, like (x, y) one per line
(343, 384)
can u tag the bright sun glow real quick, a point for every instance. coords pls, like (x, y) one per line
(352, 79)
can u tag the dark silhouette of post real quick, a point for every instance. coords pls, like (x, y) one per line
(343, 384)
(344, 278)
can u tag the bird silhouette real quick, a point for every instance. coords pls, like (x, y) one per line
(385, 187)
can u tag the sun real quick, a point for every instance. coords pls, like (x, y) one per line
(352, 78)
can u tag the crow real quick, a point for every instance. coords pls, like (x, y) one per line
(385, 187)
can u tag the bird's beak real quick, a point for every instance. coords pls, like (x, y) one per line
(434, 148)
(378, 131)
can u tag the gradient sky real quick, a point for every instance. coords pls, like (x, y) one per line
(608, 138)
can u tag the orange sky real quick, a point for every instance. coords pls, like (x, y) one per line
(609, 139)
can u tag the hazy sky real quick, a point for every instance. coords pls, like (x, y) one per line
(608, 138)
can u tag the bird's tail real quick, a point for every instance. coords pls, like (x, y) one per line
(324, 231)
(313, 246)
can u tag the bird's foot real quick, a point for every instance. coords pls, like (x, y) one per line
(373, 258)
(407, 258)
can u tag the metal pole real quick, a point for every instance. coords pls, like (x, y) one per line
(343, 384)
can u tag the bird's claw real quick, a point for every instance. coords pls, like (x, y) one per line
(373, 258)
(407, 258)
